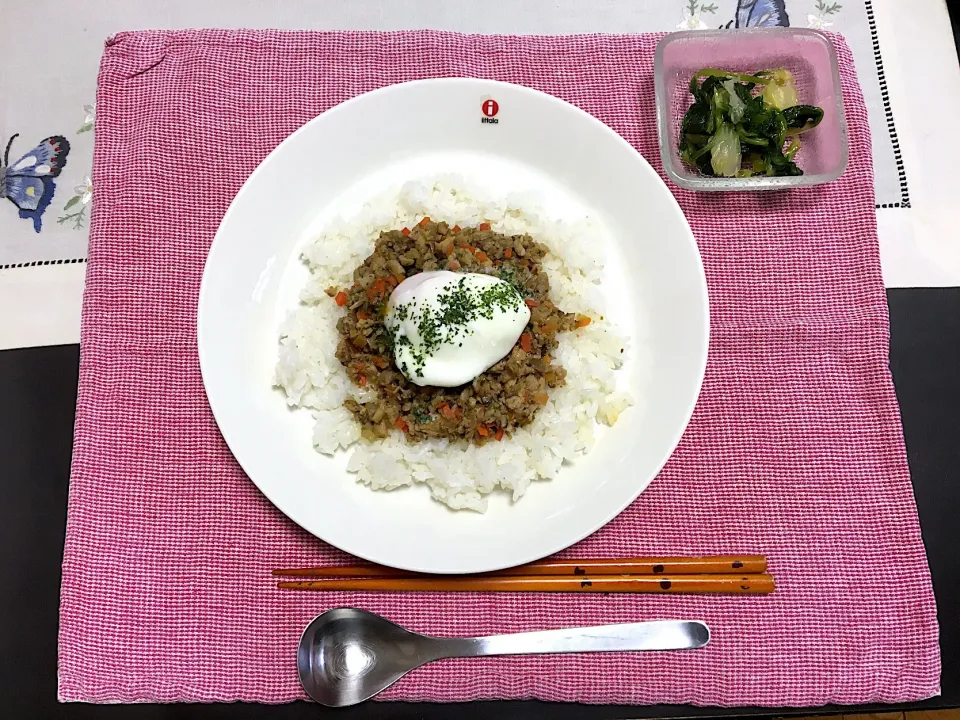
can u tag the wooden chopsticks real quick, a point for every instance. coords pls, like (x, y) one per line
(740, 575)
(675, 584)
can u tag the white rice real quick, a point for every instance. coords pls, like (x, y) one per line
(458, 474)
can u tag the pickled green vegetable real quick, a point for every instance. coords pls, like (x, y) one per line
(738, 124)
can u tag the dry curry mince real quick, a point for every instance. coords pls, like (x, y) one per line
(503, 398)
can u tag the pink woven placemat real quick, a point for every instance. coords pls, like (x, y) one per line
(795, 449)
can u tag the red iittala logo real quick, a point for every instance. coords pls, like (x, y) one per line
(489, 108)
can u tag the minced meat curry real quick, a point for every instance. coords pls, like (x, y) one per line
(506, 396)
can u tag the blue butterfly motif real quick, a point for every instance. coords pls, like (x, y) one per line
(28, 183)
(761, 13)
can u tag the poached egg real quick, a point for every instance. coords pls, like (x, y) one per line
(449, 327)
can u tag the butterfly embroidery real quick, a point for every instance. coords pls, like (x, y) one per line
(761, 13)
(28, 183)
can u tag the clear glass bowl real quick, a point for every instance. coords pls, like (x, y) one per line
(811, 58)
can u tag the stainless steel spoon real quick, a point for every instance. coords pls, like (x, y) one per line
(347, 655)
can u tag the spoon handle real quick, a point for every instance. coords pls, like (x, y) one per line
(657, 635)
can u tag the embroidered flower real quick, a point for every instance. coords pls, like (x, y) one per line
(692, 22)
(82, 195)
(817, 22)
(691, 16)
(824, 9)
(84, 190)
(90, 119)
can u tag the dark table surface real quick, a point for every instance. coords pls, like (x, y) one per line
(953, 7)
(38, 390)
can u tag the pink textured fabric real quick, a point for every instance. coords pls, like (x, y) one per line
(795, 449)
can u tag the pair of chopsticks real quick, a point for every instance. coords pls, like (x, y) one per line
(734, 574)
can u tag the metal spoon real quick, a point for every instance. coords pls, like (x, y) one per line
(347, 655)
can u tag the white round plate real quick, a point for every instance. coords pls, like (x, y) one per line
(575, 166)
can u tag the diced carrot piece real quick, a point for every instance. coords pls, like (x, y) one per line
(483, 227)
(405, 232)
(525, 342)
(381, 362)
(363, 315)
(453, 265)
(540, 398)
(481, 256)
(392, 281)
(456, 228)
(499, 434)
(457, 413)
(508, 253)
(341, 298)
(583, 321)
(482, 431)
(401, 424)
(531, 303)
(425, 220)
(398, 279)
(380, 285)
(362, 380)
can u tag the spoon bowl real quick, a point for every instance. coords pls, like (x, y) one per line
(348, 655)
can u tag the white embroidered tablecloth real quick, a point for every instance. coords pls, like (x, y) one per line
(52, 51)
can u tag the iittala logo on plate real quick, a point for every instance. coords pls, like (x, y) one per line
(489, 108)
